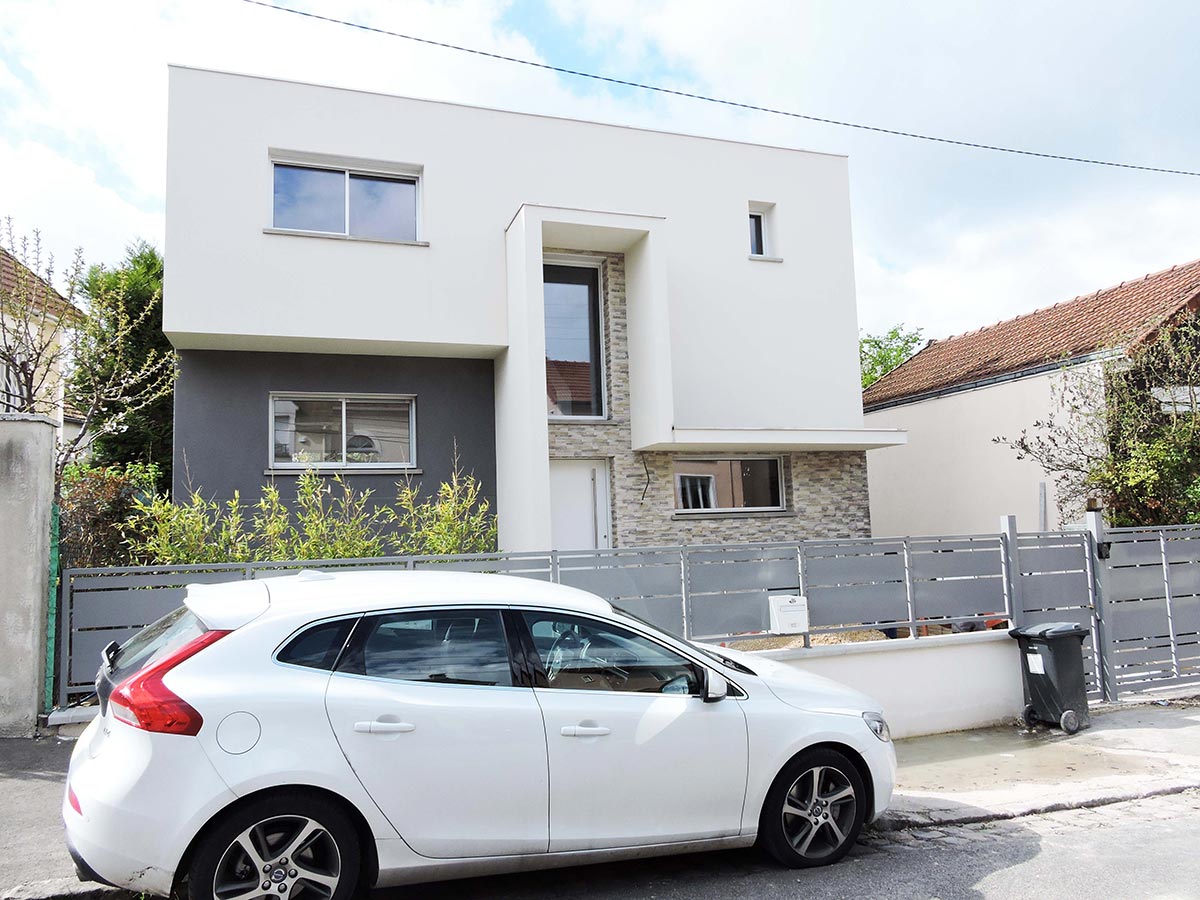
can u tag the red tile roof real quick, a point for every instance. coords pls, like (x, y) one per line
(9, 267)
(1114, 317)
(568, 380)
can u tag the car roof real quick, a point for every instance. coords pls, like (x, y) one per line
(327, 592)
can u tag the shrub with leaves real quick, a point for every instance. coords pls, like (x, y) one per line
(327, 520)
(96, 503)
(457, 519)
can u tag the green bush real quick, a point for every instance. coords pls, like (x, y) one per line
(96, 503)
(328, 520)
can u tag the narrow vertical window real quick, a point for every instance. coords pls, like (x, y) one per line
(573, 368)
(756, 235)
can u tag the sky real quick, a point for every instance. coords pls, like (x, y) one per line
(946, 239)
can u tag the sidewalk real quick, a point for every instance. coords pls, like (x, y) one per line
(1132, 750)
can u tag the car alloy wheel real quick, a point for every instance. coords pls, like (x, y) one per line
(814, 810)
(284, 850)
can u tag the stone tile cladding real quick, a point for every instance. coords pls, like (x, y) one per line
(825, 492)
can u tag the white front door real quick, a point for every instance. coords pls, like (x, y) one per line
(579, 504)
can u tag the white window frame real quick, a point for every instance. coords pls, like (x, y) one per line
(348, 166)
(580, 261)
(344, 465)
(766, 216)
(729, 510)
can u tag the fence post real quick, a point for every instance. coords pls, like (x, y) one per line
(1169, 598)
(1098, 568)
(1011, 558)
(908, 592)
(683, 592)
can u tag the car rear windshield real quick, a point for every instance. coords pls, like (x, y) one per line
(155, 641)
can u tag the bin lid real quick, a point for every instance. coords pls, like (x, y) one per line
(1050, 630)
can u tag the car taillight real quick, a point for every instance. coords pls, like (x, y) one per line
(73, 800)
(143, 701)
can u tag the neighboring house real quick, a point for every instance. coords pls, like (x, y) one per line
(13, 395)
(634, 338)
(956, 395)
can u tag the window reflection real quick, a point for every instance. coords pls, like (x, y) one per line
(572, 316)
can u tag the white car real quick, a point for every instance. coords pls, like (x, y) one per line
(297, 737)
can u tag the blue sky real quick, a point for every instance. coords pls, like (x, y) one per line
(945, 238)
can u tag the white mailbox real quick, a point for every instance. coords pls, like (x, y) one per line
(789, 613)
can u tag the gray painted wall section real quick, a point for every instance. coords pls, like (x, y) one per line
(26, 494)
(222, 421)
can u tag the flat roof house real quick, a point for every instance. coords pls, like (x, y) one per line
(633, 338)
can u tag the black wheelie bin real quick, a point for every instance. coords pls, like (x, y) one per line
(1052, 666)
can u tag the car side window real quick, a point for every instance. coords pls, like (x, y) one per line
(318, 646)
(453, 646)
(586, 654)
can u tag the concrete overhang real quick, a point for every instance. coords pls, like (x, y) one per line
(781, 439)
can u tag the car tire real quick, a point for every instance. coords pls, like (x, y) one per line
(801, 828)
(303, 843)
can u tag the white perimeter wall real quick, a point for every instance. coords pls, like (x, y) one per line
(927, 685)
(753, 344)
(951, 478)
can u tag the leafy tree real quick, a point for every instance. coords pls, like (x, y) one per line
(878, 354)
(96, 502)
(56, 346)
(144, 436)
(1126, 431)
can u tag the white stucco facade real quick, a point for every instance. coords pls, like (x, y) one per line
(726, 352)
(952, 477)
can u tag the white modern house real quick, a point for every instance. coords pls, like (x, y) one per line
(632, 337)
(957, 395)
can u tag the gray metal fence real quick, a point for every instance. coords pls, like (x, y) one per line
(704, 592)
(1138, 590)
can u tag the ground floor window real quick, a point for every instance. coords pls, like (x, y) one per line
(728, 485)
(350, 431)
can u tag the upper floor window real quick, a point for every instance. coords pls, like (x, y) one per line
(574, 369)
(762, 231)
(312, 430)
(342, 201)
(757, 243)
(728, 484)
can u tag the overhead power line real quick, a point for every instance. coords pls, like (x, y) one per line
(737, 104)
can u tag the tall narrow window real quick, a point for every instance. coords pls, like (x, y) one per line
(574, 374)
(757, 247)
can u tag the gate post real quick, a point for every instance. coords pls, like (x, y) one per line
(26, 497)
(1097, 560)
(1012, 570)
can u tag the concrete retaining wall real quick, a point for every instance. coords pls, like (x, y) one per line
(928, 685)
(26, 494)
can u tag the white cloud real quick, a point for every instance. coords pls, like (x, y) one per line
(949, 239)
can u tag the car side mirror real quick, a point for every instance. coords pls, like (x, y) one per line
(715, 686)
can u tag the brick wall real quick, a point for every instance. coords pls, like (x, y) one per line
(825, 492)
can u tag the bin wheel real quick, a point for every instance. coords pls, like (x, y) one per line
(1029, 716)
(1069, 721)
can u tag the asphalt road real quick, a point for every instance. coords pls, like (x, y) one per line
(1142, 849)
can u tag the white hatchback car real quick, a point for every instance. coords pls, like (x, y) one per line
(298, 737)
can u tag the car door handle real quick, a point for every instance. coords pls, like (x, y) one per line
(584, 731)
(378, 727)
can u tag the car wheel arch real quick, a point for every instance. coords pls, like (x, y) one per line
(855, 758)
(366, 838)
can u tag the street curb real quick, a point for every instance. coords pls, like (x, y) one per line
(894, 821)
(65, 889)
